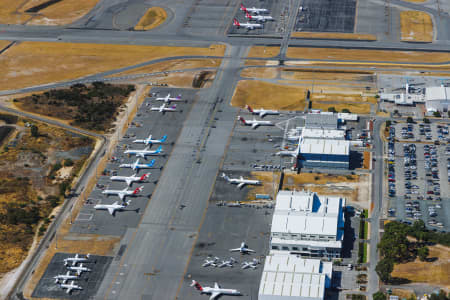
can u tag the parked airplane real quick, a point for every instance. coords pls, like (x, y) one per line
(249, 26)
(130, 179)
(214, 291)
(163, 108)
(136, 165)
(227, 263)
(242, 249)
(150, 141)
(76, 259)
(80, 269)
(211, 262)
(123, 193)
(167, 99)
(240, 181)
(70, 287)
(293, 153)
(258, 18)
(252, 264)
(143, 153)
(65, 277)
(262, 112)
(112, 208)
(253, 9)
(255, 123)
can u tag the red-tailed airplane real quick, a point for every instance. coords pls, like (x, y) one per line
(253, 9)
(215, 291)
(254, 123)
(249, 26)
(262, 112)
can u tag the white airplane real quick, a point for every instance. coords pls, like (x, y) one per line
(65, 277)
(136, 165)
(214, 291)
(167, 99)
(253, 9)
(112, 208)
(255, 123)
(123, 193)
(262, 112)
(258, 18)
(293, 153)
(211, 262)
(163, 108)
(252, 264)
(227, 263)
(76, 259)
(242, 249)
(143, 153)
(130, 179)
(70, 287)
(150, 141)
(249, 26)
(79, 269)
(240, 181)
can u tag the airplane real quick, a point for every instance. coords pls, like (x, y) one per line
(262, 112)
(123, 193)
(70, 287)
(167, 99)
(79, 269)
(215, 291)
(253, 9)
(211, 262)
(293, 153)
(240, 181)
(65, 277)
(136, 165)
(163, 108)
(253, 264)
(227, 263)
(243, 249)
(76, 259)
(112, 207)
(255, 123)
(249, 26)
(258, 18)
(143, 153)
(130, 179)
(150, 141)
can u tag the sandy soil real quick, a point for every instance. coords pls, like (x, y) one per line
(267, 73)
(154, 17)
(416, 26)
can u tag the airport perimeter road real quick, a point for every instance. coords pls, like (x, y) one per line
(158, 251)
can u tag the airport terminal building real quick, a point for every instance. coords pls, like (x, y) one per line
(307, 224)
(287, 276)
(324, 153)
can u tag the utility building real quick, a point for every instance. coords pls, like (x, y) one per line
(288, 276)
(324, 153)
(325, 121)
(437, 98)
(307, 224)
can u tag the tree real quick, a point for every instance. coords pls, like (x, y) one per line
(425, 120)
(346, 110)
(388, 123)
(68, 162)
(34, 131)
(396, 112)
(332, 109)
(423, 252)
(440, 296)
(437, 114)
(379, 296)
(384, 269)
(409, 120)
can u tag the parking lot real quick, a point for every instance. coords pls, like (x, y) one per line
(146, 122)
(418, 174)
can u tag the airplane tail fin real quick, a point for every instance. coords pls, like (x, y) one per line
(243, 7)
(145, 176)
(242, 120)
(138, 190)
(226, 177)
(152, 162)
(196, 285)
(249, 108)
(174, 106)
(164, 138)
(247, 15)
(236, 23)
(159, 150)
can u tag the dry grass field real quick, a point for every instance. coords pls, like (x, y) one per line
(263, 51)
(269, 184)
(9, 13)
(3, 44)
(267, 73)
(314, 74)
(435, 273)
(35, 63)
(154, 17)
(368, 55)
(354, 96)
(268, 95)
(356, 108)
(367, 157)
(335, 36)
(416, 26)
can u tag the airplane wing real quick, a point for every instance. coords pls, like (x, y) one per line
(262, 114)
(214, 296)
(254, 125)
(121, 196)
(249, 250)
(216, 285)
(128, 181)
(69, 289)
(240, 185)
(235, 249)
(111, 210)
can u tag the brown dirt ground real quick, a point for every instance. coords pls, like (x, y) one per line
(367, 158)
(3, 44)
(268, 95)
(357, 108)
(262, 51)
(34, 63)
(269, 184)
(267, 73)
(154, 17)
(367, 55)
(9, 13)
(350, 97)
(181, 80)
(435, 273)
(343, 36)
(416, 26)
(305, 74)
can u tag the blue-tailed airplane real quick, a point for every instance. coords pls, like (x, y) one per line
(143, 153)
(150, 141)
(136, 165)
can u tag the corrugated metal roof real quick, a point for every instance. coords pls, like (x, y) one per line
(325, 146)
